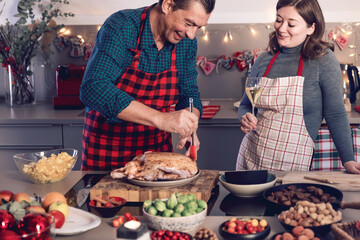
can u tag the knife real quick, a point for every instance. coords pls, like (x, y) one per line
(83, 194)
(324, 180)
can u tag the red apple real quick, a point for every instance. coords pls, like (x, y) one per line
(34, 226)
(7, 220)
(59, 218)
(9, 235)
(6, 195)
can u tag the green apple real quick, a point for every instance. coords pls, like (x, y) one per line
(60, 206)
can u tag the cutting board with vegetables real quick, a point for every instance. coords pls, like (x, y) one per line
(341, 180)
(201, 187)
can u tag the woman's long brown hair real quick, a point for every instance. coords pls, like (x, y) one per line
(311, 12)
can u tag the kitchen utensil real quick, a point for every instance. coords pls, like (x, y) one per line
(83, 194)
(192, 143)
(324, 180)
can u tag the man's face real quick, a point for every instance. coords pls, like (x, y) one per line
(185, 23)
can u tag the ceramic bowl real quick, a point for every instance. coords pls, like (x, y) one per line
(179, 224)
(251, 236)
(108, 212)
(246, 176)
(248, 190)
(50, 170)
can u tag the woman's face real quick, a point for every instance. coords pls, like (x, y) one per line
(291, 29)
(185, 23)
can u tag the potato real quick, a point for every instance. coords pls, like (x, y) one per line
(297, 230)
(309, 233)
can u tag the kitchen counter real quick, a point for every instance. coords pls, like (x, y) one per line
(42, 113)
(15, 182)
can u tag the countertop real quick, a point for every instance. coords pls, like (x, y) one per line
(15, 182)
(44, 113)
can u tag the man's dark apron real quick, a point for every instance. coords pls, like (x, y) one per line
(108, 146)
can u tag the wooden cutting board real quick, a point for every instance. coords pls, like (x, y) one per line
(342, 181)
(201, 187)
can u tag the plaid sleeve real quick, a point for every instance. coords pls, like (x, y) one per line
(186, 54)
(106, 64)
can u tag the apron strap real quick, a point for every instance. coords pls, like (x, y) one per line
(300, 68)
(142, 24)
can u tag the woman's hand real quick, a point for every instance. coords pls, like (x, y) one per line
(248, 122)
(352, 167)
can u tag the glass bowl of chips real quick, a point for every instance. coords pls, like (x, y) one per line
(46, 166)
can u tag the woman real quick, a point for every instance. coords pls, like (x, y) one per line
(143, 62)
(301, 82)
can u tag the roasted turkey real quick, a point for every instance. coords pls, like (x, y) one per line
(152, 166)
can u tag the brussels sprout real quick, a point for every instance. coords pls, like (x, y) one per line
(167, 213)
(176, 214)
(191, 197)
(171, 202)
(186, 213)
(199, 210)
(6, 206)
(178, 194)
(147, 203)
(201, 203)
(160, 206)
(179, 208)
(192, 205)
(14, 207)
(152, 210)
(182, 199)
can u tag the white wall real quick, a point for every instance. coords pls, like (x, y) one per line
(90, 12)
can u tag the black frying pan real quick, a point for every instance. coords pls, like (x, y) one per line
(281, 207)
(321, 230)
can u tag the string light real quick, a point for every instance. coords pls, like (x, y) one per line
(230, 36)
(203, 28)
(81, 38)
(252, 30)
(351, 54)
(226, 38)
(352, 46)
(206, 36)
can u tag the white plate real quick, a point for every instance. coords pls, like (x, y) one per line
(77, 222)
(164, 183)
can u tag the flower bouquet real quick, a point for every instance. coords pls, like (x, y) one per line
(20, 41)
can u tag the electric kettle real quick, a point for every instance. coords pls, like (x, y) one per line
(351, 81)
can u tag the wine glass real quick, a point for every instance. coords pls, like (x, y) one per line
(253, 90)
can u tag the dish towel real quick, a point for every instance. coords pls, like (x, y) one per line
(208, 111)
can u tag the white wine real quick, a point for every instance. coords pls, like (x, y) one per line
(253, 93)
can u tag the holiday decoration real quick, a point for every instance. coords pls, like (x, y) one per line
(205, 65)
(88, 48)
(77, 50)
(342, 40)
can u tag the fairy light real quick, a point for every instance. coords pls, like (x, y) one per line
(62, 30)
(230, 36)
(226, 38)
(81, 38)
(351, 54)
(203, 28)
(348, 32)
(357, 24)
(352, 46)
(268, 26)
(252, 30)
(206, 36)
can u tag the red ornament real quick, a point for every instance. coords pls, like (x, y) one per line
(7, 220)
(34, 226)
(7, 49)
(8, 234)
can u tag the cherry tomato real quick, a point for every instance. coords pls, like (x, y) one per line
(161, 233)
(231, 230)
(92, 203)
(177, 234)
(358, 225)
(169, 233)
(116, 222)
(128, 216)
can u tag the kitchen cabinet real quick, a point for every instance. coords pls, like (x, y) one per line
(219, 146)
(72, 134)
(21, 138)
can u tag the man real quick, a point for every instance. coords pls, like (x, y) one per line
(143, 62)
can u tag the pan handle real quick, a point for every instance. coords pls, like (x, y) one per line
(353, 205)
